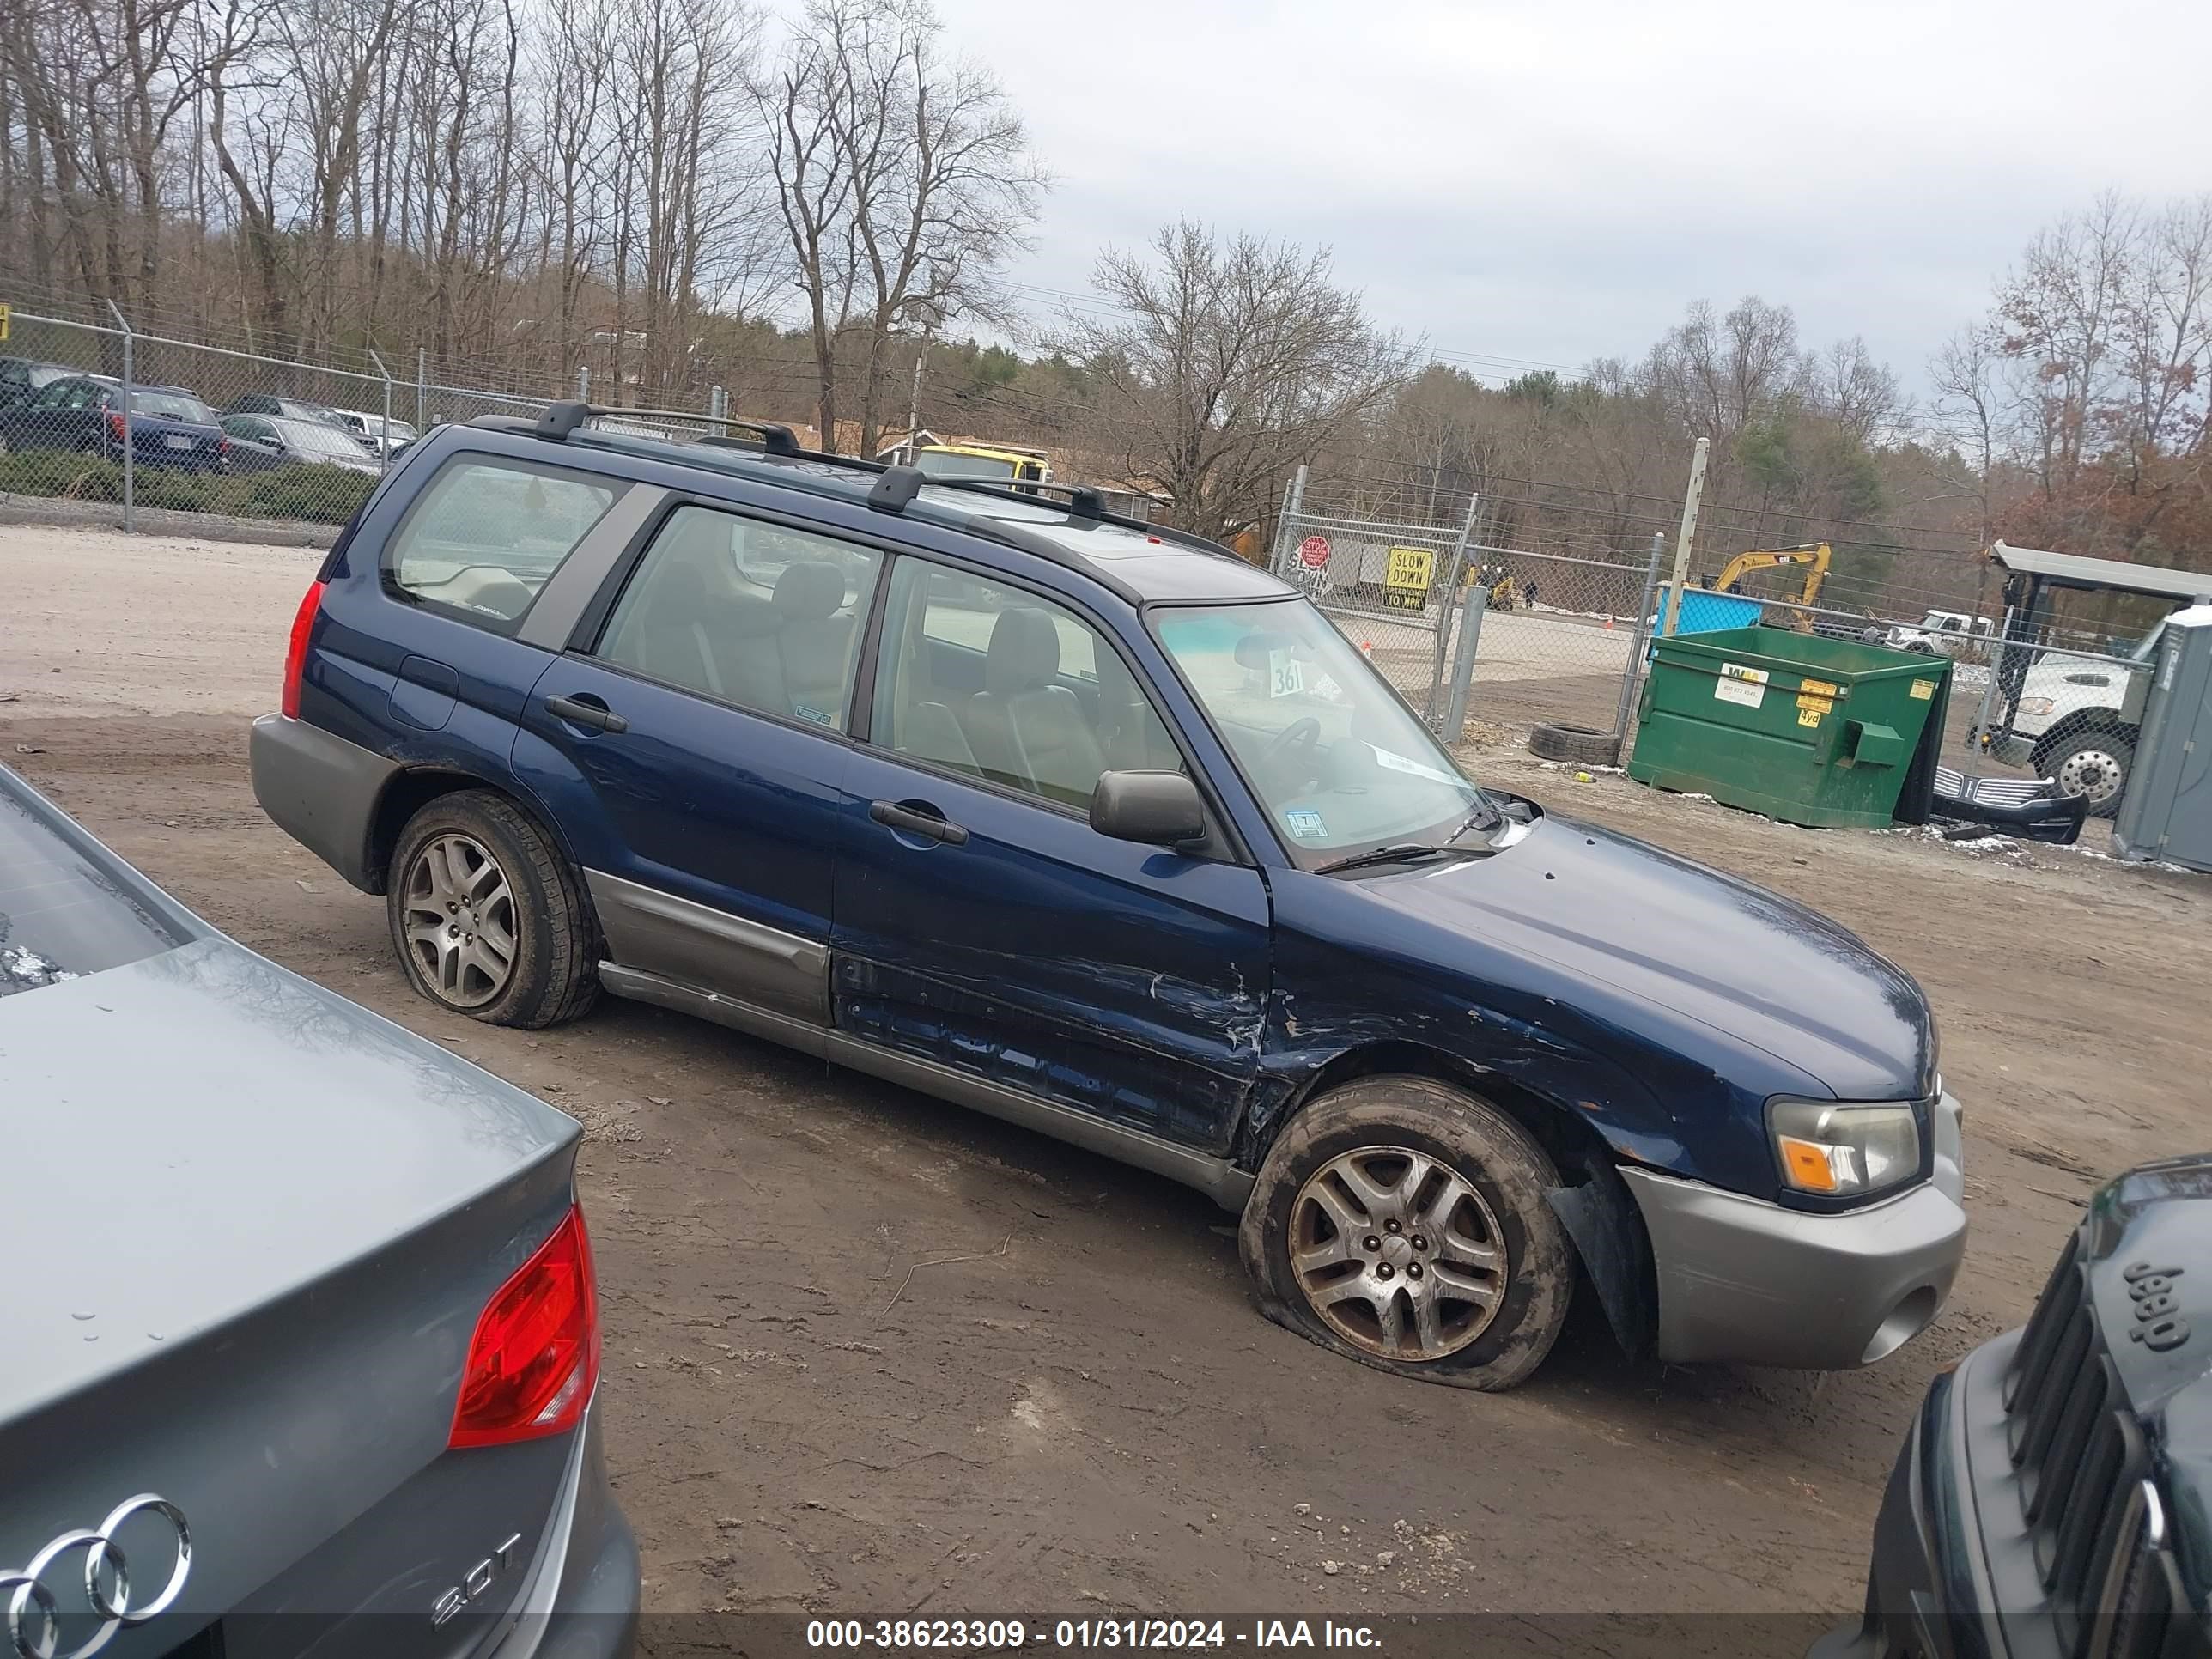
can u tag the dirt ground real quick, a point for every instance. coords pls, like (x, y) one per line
(868, 1353)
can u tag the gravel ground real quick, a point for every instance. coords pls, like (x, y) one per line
(868, 1353)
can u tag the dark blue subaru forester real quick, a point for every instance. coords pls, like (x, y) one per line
(1093, 827)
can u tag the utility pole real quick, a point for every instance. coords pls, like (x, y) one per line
(914, 398)
(1687, 536)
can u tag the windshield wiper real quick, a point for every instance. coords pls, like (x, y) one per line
(1402, 853)
(1482, 818)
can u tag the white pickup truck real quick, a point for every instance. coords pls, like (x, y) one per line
(1943, 633)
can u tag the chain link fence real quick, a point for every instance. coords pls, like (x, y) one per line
(139, 426)
(1556, 630)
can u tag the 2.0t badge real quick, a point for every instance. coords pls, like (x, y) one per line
(39, 1600)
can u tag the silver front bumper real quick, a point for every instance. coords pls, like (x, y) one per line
(1744, 1280)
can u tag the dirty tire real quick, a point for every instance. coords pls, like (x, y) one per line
(556, 973)
(1578, 744)
(1509, 1174)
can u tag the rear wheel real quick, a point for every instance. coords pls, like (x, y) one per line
(487, 917)
(1403, 1223)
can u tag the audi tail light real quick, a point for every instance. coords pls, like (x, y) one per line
(295, 651)
(536, 1351)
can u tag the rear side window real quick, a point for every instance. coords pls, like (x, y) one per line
(62, 916)
(759, 615)
(487, 535)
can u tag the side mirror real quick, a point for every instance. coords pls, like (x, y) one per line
(1159, 809)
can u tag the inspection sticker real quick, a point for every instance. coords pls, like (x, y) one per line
(1305, 823)
(1740, 684)
(1923, 689)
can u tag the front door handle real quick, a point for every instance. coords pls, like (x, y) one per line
(586, 711)
(897, 815)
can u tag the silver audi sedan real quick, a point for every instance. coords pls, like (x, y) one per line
(299, 1339)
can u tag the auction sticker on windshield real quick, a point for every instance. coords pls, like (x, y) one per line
(1284, 677)
(1305, 823)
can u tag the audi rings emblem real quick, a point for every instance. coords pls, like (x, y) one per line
(34, 1614)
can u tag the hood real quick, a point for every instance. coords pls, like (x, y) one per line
(199, 1131)
(1647, 931)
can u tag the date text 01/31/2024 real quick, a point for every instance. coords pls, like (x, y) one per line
(1008, 1634)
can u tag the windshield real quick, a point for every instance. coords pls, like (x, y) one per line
(1338, 762)
(170, 406)
(61, 915)
(935, 463)
(313, 438)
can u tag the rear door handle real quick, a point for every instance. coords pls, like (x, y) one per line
(593, 714)
(893, 816)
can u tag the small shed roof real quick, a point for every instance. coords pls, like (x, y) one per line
(2114, 575)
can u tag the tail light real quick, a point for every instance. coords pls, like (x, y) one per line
(536, 1351)
(115, 423)
(296, 653)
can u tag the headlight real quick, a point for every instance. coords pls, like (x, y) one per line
(2035, 705)
(1841, 1151)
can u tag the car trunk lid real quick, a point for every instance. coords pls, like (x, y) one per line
(252, 1230)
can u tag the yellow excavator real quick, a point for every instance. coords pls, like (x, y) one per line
(1814, 555)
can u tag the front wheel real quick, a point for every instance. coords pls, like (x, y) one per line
(2094, 764)
(1403, 1223)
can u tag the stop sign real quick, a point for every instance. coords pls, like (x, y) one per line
(1314, 551)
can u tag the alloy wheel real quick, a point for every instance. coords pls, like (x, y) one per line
(2092, 773)
(460, 920)
(1397, 1253)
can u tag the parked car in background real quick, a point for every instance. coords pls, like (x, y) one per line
(169, 426)
(294, 409)
(383, 436)
(24, 377)
(1128, 843)
(2054, 1493)
(260, 443)
(321, 1369)
(1943, 632)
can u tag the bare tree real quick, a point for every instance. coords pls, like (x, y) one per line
(1232, 360)
(904, 181)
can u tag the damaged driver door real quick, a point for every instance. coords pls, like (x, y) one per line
(981, 924)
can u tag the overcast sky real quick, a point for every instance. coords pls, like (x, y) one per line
(1550, 182)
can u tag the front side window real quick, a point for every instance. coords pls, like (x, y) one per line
(487, 534)
(980, 677)
(754, 614)
(1338, 761)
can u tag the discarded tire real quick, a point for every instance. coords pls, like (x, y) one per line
(1578, 744)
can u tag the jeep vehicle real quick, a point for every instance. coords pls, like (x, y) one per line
(1090, 825)
(2054, 1495)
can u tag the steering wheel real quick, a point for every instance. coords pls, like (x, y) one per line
(1304, 733)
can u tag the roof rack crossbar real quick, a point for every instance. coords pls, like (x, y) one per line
(561, 419)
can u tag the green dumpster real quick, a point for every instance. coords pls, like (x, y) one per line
(1804, 728)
